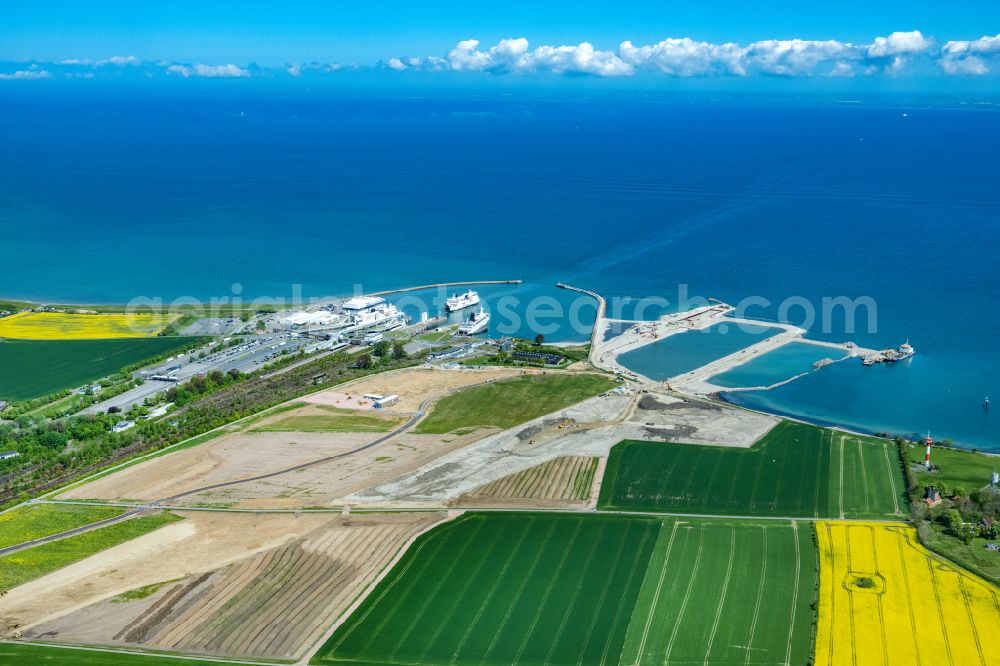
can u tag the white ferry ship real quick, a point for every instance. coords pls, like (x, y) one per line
(366, 311)
(462, 301)
(476, 323)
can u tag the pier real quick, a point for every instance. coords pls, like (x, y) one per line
(600, 321)
(604, 354)
(443, 285)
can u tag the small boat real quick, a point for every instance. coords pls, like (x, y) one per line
(462, 301)
(476, 323)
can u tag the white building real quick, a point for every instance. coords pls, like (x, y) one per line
(122, 425)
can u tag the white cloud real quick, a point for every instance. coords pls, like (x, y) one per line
(120, 61)
(842, 69)
(396, 64)
(299, 68)
(515, 56)
(209, 71)
(969, 57)
(899, 43)
(685, 57)
(796, 57)
(968, 65)
(26, 75)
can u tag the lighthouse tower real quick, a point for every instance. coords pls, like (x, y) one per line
(927, 454)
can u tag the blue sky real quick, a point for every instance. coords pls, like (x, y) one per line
(421, 35)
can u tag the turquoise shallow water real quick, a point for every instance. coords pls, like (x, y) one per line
(683, 352)
(776, 366)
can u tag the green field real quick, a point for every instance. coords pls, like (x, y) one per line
(39, 520)
(25, 565)
(36, 368)
(719, 592)
(796, 470)
(20, 653)
(338, 420)
(505, 588)
(508, 403)
(954, 468)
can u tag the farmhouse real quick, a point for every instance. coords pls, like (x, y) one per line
(7, 455)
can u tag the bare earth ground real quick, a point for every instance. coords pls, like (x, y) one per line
(412, 385)
(235, 456)
(246, 454)
(199, 543)
(321, 485)
(601, 423)
(273, 604)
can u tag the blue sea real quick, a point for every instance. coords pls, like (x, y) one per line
(111, 194)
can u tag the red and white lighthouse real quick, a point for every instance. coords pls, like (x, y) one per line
(927, 454)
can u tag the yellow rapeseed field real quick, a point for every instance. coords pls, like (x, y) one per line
(64, 326)
(884, 599)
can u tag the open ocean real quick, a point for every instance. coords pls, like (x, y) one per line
(108, 195)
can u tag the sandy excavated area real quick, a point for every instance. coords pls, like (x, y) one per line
(235, 456)
(273, 604)
(602, 422)
(201, 542)
(324, 484)
(412, 385)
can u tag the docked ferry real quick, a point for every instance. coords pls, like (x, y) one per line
(462, 301)
(476, 323)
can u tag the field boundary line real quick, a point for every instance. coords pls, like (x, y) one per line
(940, 610)
(892, 479)
(881, 611)
(906, 587)
(600, 602)
(520, 590)
(687, 596)
(659, 587)
(972, 618)
(548, 591)
(864, 479)
(841, 488)
(850, 597)
(406, 590)
(493, 590)
(136, 653)
(833, 593)
(628, 583)
(795, 593)
(465, 589)
(576, 595)
(437, 587)
(760, 594)
(328, 634)
(725, 588)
